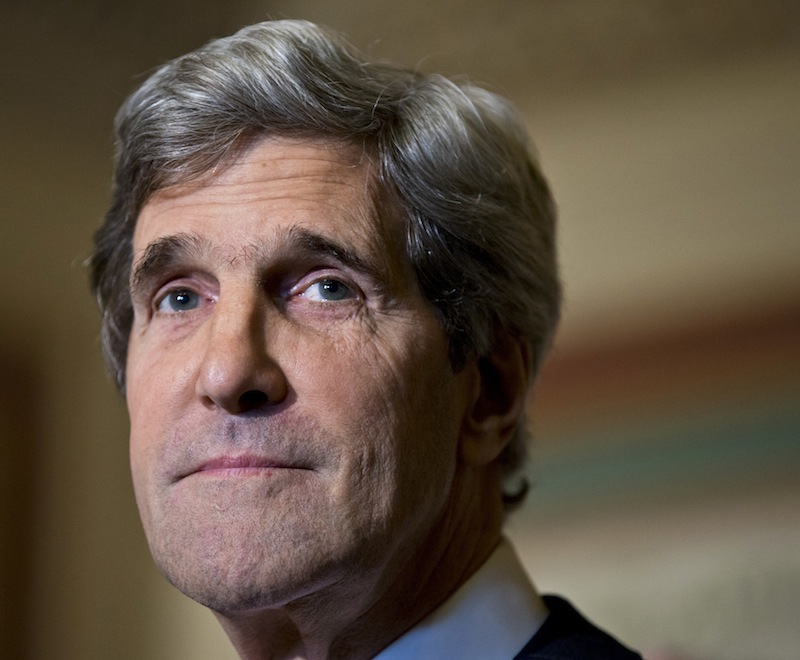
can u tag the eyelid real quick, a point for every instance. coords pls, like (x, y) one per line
(320, 275)
(188, 284)
(163, 291)
(348, 294)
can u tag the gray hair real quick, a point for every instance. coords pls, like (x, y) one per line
(480, 220)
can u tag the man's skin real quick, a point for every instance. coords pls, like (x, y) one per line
(305, 460)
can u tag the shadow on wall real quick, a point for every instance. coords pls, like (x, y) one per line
(20, 389)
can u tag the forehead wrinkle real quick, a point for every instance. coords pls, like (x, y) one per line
(301, 242)
(374, 242)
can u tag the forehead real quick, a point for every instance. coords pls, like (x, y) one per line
(279, 184)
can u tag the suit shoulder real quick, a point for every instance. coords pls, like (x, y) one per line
(567, 635)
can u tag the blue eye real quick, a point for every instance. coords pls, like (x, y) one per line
(179, 300)
(329, 291)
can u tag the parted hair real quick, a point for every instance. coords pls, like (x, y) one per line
(456, 158)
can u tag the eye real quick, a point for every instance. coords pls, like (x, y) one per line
(328, 290)
(178, 300)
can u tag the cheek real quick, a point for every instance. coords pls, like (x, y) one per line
(159, 381)
(405, 404)
(150, 399)
(340, 375)
(142, 435)
(139, 412)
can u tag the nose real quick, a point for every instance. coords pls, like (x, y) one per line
(237, 372)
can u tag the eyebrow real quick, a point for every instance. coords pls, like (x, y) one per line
(169, 252)
(162, 255)
(313, 244)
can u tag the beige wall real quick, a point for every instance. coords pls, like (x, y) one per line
(675, 154)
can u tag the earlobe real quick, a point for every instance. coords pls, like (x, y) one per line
(500, 396)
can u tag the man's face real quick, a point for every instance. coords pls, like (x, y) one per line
(294, 419)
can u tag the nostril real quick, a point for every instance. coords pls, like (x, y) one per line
(252, 400)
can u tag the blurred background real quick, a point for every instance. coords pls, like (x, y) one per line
(666, 465)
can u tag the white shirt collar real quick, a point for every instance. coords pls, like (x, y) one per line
(492, 615)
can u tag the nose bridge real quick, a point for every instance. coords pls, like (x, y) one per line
(237, 370)
(235, 331)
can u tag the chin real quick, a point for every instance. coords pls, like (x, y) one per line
(236, 579)
(232, 592)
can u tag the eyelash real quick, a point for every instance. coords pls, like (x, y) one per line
(306, 286)
(350, 291)
(303, 289)
(175, 291)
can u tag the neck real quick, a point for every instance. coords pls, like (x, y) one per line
(357, 619)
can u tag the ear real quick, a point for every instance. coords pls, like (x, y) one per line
(499, 401)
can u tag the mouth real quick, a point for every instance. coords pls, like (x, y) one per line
(240, 466)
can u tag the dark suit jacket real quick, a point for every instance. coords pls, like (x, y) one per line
(566, 635)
